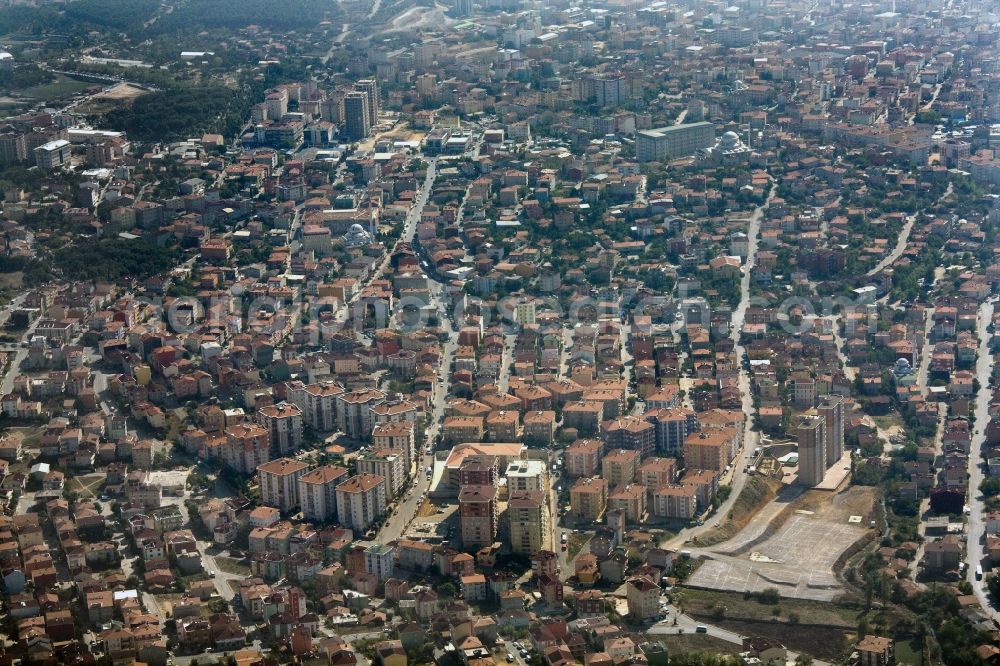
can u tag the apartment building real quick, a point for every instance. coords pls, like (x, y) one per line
(461, 429)
(318, 492)
(631, 432)
(503, 426)
(396, 436)
(247, 447)
(656, 472)
(670, 502)
(811, 435)
(526, 476)
(630, 499)
(831, 409)
(710, 449)
(387, 463)
(528, 514)
(643, 598)
(589, 498)
(620, 466)
(318, 403)
(357, 116)
(279, 483)
(379, 561)
(672, 426)
(583, 457)
(478, 514)
(284, 422)
(539, 427)
(354, 415)
(361, 501)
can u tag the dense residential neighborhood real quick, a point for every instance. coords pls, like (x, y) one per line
(499, 333)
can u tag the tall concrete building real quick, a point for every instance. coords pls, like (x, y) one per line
(360, 501)
(831, 408)
(478, 514)
(811, 434)
(370, 88)
(284, 421)
(528, 514)
(279, 483)
(318, 492)
(357, 118)
(666, 143)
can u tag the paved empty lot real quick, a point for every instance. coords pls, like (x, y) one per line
(798, 560)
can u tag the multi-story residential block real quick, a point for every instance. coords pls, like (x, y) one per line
(357, 116)
(675, 502)
(656, 472)
(526, 476)
(461, 429)
(379, 561)
(354, 415)
(361, 501)
(631, 432)
(831, 408)
(630, 499)
(588, 498)
(279, 483)
(478, 513)
(811, 435)
(387, 463)
(710, 449)
(673, 425)
(318, 403)
(528, 514)
(284, 422)
(396, 436)
(643, 598)
(539, 427)
(318, 492)
(583, 457)
(620, 466)
(247, 447)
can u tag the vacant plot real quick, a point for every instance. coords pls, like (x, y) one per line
(61, 86)
(86, 486)
(233, 566)
(691, 643)
(111, 99)
(792, 547)
(575, 543)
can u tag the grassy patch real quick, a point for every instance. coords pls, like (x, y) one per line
(703, 602)
(232, 566)
(816, 628)
(62, 86)
(575, 543)
(909, 652)
(691, 643)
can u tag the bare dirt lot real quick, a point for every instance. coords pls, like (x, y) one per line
(792, 548)
(111, 98)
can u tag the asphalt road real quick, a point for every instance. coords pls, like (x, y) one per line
(977, 511)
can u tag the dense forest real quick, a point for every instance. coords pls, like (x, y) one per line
(94, 259)
(135, 16)
(181, 112)
(112, 259)
(22, 77)
(236, 14)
